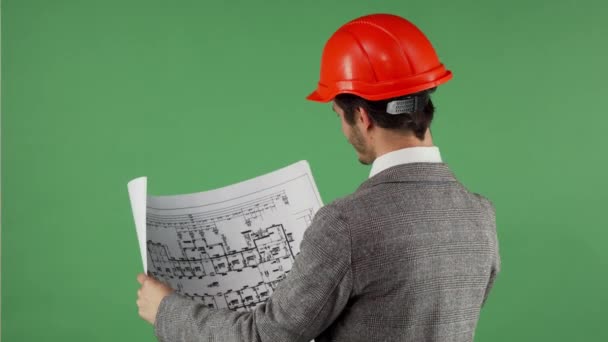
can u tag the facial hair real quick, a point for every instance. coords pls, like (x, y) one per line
(356, 139)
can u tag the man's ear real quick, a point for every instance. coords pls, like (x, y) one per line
(364, 119)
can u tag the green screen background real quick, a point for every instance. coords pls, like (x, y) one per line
(200, 94)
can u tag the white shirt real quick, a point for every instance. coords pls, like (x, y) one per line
(405, 155)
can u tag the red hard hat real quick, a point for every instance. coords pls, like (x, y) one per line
(377, 57)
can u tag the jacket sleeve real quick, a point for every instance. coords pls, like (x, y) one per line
(493, 273)
(495, 268)
(304, 303)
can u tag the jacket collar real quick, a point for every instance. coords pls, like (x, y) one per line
(411, 172)
(417, 154)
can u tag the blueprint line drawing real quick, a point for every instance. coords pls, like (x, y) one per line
(228, 247)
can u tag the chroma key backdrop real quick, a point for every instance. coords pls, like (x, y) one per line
(201, 94)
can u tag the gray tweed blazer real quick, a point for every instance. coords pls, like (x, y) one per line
(410, 256)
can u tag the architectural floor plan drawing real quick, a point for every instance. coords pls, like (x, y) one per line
(229, 247)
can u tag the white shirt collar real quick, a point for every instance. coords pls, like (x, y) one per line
(422, 154)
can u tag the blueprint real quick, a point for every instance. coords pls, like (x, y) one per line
(228, 247)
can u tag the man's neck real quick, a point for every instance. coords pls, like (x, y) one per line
(389, 142)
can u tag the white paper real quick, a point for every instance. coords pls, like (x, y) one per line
(137, 194)
(228, 247)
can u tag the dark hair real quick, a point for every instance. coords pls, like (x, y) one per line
(416, 122)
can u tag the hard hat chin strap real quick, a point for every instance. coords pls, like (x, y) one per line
(410, 104)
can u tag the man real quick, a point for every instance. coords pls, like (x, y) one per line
(410, 256)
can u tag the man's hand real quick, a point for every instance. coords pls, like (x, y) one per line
(149, 296)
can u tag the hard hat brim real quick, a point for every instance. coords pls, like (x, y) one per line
(316, 97)
(373, 92)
